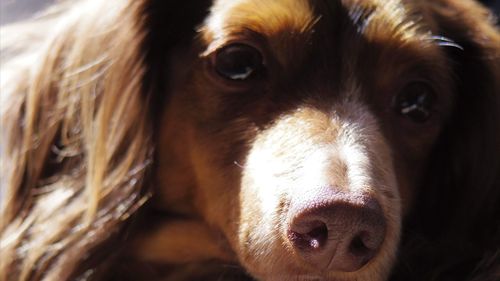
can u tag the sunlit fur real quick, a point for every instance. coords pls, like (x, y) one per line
(75, 137)
(124, 157)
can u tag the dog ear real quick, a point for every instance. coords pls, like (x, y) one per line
(458, 204)
(76, 132)
(469, 151)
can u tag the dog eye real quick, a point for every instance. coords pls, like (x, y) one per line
(415, 102)
(238, 62)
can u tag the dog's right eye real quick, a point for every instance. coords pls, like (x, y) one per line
(238, 62)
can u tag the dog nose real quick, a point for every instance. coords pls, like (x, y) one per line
(338, 235)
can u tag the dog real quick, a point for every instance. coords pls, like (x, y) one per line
(251, 140)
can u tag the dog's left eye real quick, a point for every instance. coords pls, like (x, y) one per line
(415, 101)
(238, 62)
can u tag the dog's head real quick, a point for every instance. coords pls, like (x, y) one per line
(292, 137)
(304, 129)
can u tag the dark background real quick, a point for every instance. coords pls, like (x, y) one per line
(494, 5)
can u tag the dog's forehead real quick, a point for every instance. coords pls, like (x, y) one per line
(371, 18)
(262, 16)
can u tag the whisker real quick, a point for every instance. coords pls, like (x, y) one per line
(445, 42)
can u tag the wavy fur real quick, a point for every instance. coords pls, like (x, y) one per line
(82, 89)
(75, 139)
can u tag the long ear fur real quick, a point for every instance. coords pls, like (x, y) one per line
(458, 214)
(78, 130)
(75, 138)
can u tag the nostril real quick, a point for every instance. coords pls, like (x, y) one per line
(318, 236)
(360, 246)
(309, 237)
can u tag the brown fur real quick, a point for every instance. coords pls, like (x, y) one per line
(126, 157)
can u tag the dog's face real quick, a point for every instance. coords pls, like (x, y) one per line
(300, 129)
